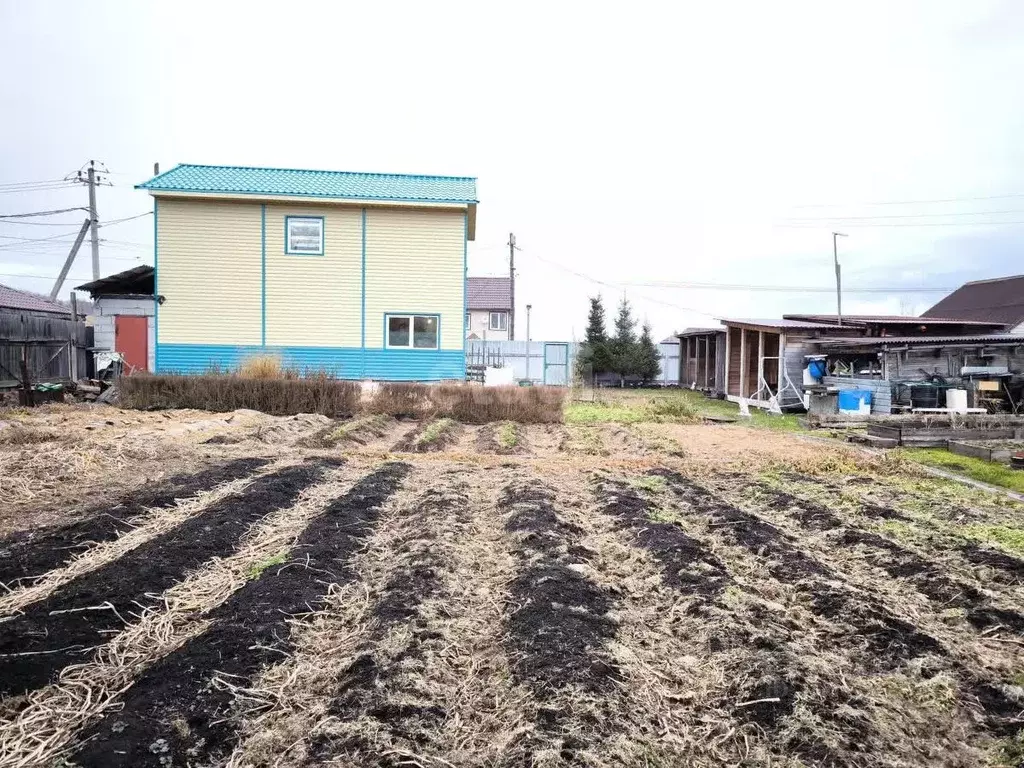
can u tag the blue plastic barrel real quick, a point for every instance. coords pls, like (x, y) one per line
(850, 399)
(816, 368)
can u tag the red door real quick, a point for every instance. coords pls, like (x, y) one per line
(131, 339)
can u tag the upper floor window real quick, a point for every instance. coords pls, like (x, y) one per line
(412, 331)
(498, 321)
(304, 235)
(469, 320)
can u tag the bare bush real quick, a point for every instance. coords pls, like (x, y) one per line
(480, 405)
(401, 399)
(224, 392)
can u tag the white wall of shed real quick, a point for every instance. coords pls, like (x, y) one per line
(108, 307)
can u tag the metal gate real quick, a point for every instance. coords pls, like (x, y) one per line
(556, 364)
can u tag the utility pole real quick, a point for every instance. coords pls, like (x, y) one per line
(528, 308)
(839, 279)
(512, 286)
(70, 260)
(94, 234)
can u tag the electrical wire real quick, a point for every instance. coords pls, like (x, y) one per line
(610, 284)
(905, 215)
(932, 224)
(913, 202)
(777, 288)
(29, 241)
(38, 189)
(40, 213)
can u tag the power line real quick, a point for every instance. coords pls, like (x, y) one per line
(931, 224)
(610, 284)
(905, 215)
(40, 188)
(39, 213)
(912, 202)
(30, 240)
(779, 288)
(13, 184)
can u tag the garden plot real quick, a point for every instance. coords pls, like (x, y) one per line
(378, 592)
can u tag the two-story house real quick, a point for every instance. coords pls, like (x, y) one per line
(488, 308)
(359, 274)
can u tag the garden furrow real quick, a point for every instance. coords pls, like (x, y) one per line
(395, 694)
(68, 625)
(27, 555)
(42, 726)
(184, 701)
(408, 658)
(886, 650)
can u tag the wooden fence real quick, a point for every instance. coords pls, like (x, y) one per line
(57, 347)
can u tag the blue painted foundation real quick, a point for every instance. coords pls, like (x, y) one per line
(343, 362)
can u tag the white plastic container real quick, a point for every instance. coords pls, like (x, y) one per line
(956, 400)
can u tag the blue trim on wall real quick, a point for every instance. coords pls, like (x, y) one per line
(362, 296)
(343, 362)
(156, 294)
(399, 313)
(465, 286)
(323, 236)
(263, 275)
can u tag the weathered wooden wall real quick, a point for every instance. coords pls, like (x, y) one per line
(51, 341)
(881, 390)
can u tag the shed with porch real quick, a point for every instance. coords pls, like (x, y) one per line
(124, 312)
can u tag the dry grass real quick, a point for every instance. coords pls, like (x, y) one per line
(219, 393)
(43, 729)
(19, 434)
(262, 367)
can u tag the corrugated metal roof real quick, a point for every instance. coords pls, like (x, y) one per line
(984, 338)
(488, 293)
(12, 298)
(702, 331)
(1000, 301)
(783, 322)
(306, 183)
(888, 320)
(137, 280)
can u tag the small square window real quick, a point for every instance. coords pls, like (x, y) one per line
(304, 235)
(498, 321)
(413, 331)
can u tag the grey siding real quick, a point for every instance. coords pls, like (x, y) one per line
(881, 390)
(106, 308)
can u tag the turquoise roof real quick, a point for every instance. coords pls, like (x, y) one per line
(328, 184)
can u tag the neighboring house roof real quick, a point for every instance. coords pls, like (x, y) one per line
(700, 331)
(306, 183)
(12, 298)
(489, 293)
(786, 322)
(1000, 300)
(670, 340)
(135, 281)
(888, 320)
(981, 338)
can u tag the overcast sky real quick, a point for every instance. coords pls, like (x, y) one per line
(678, 143)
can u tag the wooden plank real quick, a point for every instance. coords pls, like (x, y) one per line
(878, 430)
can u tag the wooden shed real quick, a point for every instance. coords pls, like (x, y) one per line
(42, 336)
(702, 358)
(764, 360)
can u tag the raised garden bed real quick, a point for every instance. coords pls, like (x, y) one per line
(989, 450)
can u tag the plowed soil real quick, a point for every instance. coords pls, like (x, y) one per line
(288, 594)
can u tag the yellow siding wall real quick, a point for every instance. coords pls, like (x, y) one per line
(209, 269)
(315, 301)
(415, 263)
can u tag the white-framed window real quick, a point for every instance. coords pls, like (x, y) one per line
(412, 331)
(498, 321)
(304, 235)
